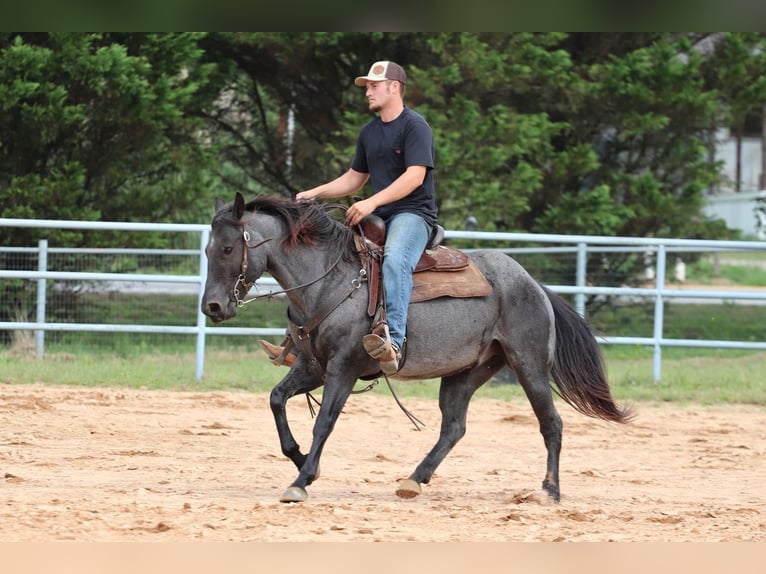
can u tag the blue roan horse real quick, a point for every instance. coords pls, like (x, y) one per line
(463, 341)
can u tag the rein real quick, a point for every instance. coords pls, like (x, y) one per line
(304, 331)
(247, 285)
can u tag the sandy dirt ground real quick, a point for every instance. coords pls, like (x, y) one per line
(139, 465)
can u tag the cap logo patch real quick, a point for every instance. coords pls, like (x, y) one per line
(378, 70)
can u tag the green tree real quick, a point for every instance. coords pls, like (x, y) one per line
(551, 132)
(735, 69)
(568, 133)
(278, 78)
(564, 133)
(97, 127)
(100, 126)
(648, 121)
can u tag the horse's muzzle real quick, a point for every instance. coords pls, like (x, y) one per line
(218, 312)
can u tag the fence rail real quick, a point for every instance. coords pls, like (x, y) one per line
(580, 245)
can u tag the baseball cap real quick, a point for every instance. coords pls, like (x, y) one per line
(383, 70)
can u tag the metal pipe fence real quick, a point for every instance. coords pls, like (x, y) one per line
(580, 247)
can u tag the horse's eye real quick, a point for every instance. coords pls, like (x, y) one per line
(227, 250)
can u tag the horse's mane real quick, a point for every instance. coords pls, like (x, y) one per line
(307, 222)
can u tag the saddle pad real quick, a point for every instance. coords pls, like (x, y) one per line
(466, 282)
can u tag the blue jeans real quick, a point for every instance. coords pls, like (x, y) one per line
(407, 236)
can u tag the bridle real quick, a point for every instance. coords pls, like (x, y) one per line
(242, 279)
(246, 285)
(303, 331)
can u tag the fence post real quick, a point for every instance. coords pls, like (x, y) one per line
(659, 313)
(42, 266)
(201, 319)
(582, 265)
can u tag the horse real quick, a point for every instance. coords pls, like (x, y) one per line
(463, 341)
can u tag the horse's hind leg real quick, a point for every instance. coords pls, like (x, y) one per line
(455, 393)
(537, 388)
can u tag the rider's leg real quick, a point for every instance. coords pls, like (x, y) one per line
(406, 239)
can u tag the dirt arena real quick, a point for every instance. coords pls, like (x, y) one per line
(137, 465)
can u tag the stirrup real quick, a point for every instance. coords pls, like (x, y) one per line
(384, 350)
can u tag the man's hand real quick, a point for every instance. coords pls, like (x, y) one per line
(359, 210)
(304, 195)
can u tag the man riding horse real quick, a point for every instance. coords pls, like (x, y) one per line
(395, 153)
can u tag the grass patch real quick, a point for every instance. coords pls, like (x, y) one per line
(714, 377)
(727, 321)
(719, 377)
(729, 269)
(155, 361)
(236, 369)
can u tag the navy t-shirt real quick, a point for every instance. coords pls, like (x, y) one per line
(386, 149)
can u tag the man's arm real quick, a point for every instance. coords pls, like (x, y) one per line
(346, 184)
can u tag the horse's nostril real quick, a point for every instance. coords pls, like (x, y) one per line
(213, 309)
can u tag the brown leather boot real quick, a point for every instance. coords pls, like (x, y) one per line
(384, 350)
(278, 354)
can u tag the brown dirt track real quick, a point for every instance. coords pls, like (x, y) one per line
(138, 465)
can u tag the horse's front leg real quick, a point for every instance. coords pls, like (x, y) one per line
(336, 391)
(300, 379)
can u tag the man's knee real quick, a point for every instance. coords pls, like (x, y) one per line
(391, 262)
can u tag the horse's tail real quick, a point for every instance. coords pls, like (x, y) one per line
(578, 366)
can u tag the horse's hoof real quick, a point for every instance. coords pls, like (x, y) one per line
(552, 488)
(294, 494)
(541, 497)
(408, 488)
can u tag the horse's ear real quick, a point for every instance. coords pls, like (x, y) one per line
(219, 204)
(239, 206)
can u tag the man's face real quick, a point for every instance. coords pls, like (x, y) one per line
(378, 94)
